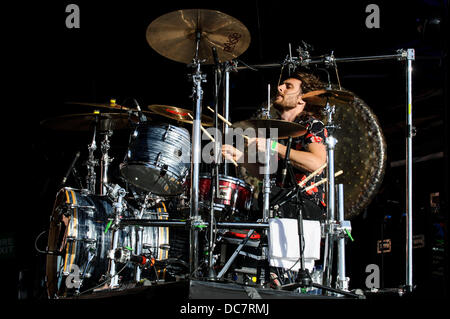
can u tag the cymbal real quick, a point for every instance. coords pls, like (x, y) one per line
(285, 128)
(179, 114)
(173, 35)
(334, 97)
(111, 105)
(87, 122)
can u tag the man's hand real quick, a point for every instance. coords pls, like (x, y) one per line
(259, 142)
(231, 153)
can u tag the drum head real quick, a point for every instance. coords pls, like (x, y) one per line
(361, 153)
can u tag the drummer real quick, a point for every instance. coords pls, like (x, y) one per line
(308, 152)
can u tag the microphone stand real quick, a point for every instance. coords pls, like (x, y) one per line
(303, 276)
(70, 169)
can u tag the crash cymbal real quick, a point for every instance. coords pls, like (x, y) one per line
(87, 122)
(334, 97)
(179, 114)
(285, 128)
(173, 35)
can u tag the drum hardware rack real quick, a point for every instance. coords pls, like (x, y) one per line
(407, 55)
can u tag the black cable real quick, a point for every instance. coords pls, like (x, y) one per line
(35, 243)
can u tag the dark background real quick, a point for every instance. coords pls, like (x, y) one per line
(108, 57)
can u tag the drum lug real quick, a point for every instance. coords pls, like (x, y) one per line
(158, 157)
(169, 128)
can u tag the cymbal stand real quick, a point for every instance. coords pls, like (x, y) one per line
(331, 199)
(105, 161)
(215, 188)
(266, 192)
(343, 227)
(197, 95)
(117, 194)
(228, 66)
(266, 181)
(91, 163)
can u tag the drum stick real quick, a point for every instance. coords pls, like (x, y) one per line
(220, 117)
(225, 120)
(303, 182)
(203, 129)
(322, 181)
(212, 139)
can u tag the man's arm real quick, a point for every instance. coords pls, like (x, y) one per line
(307, 161)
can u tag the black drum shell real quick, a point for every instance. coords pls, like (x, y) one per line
(158, 159)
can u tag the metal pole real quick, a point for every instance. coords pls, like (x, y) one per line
(409, 136)
(106, 160)
(342, 280)
(139, 235)
(197, 79)
(329, 239)
(226, 108)
(195, 169)
(326, 60)
(145, 222)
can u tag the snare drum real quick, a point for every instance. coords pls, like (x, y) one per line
(234, 194)
(79, 241)
(158, 159)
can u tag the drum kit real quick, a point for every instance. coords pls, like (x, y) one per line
(106, 236)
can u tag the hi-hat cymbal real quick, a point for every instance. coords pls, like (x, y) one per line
(334, 97)
(179, 114)
(285, 128)
(174, 35)
(87, 122)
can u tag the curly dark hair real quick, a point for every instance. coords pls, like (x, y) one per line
(310, 82)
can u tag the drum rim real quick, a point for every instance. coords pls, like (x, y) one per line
(228, 179)
(179, 179)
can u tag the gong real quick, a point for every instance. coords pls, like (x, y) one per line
(360, 152)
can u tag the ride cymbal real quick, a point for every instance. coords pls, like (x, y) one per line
(174, 35)
(334, 97)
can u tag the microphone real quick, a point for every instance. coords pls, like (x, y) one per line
(142, 117)
(286, 161)
(142, 260)
(64, 180)
(123, 255)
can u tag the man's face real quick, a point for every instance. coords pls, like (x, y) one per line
(289, 94)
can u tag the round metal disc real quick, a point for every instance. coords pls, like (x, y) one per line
(173, 35)
(360, 152)
(179, 114)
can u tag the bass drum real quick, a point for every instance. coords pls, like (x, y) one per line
(79, 241)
